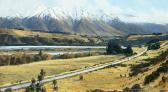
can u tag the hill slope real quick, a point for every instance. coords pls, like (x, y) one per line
(83, 25)
(138, 28)
(68, 25)
(27, 37)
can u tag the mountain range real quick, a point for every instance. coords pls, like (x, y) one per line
(80, 23)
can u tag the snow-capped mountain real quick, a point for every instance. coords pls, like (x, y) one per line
(77, 14)
(80, 21)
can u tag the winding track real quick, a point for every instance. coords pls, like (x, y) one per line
(74, 73)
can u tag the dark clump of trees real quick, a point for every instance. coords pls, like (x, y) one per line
(151, 77)
(153, 44)
(22, 58)
(37, 85)
(162, 69)
(143, 67)
(157, 33)
(128, 51)
(96, 90)
(134, 88)
(114, 47)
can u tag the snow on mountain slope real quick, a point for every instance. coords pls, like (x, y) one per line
(80, 21)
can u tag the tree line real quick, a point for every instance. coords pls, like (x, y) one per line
(20, 58)
(115, 48)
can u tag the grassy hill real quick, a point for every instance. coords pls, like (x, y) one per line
(118, 77)
(87, 26)
(16, 73)
(27, 37)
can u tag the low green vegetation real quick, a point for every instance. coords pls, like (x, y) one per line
(153, 44)
(142, 67)
(77, 55)
(23, 58)
(37, 85)
(154, 75)
(134, 88)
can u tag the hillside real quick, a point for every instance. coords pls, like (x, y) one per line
(27, 37)
(138, 28)
(47, 23)
(12, 37)
(120, 76)
(86, 25)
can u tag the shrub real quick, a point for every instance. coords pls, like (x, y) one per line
(20, 58)
(115, 48)
(37, 86)
(8, 90)
(136, 88)
(162, 69)
(81, 77)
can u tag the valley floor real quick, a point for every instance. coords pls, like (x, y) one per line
(114, 78)
(17, 73)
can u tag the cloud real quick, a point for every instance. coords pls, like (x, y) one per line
(152, 16)
(88, 5)
(143, 1)
(130, 15)
(18, 7)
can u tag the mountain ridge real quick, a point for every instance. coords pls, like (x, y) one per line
(81, 23)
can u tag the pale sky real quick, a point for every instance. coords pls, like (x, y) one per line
(155, 11)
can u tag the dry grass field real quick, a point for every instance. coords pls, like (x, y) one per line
(58, 66)
(13, 74)
(114, 78)
(136, 37)
(29, 33)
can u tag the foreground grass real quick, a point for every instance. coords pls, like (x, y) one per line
(19, 73)
(76, 87)
(114, 78)
(13, 74)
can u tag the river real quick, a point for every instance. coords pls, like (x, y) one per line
(49, 47)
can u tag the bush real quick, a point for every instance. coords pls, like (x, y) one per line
(8, 90)
(140, 68)
(37, 86)
(76, 55)
(20, 58)
(81, 77)
(162, 69)
(136, 88)
(154, 45)
(115, 48)
(126, 89)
